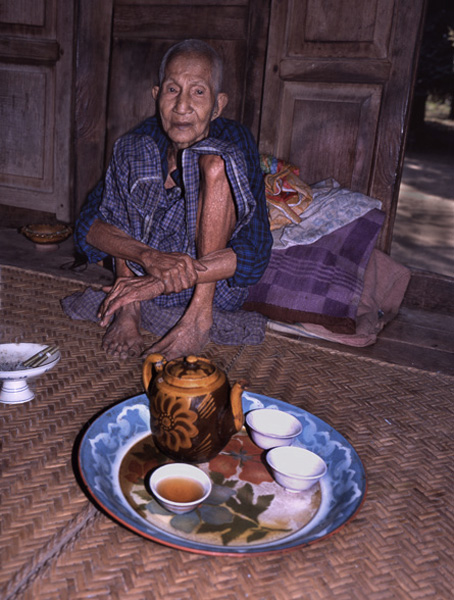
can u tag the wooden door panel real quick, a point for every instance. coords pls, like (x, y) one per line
(305, 69)
(320, 117)
(25, 130)
(36, 50)
(151, 18)
(93, 60)
(23, 12)
(133, 73)
(340, 28)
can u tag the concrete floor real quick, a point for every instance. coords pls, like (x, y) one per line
(423, 236)
(16, 250)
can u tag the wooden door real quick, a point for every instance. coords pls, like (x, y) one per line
(36, 60)
(338, 86)
(114, 84)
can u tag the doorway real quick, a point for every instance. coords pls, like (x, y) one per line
(423, 236)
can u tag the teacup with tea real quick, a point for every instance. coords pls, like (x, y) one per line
(179, 487)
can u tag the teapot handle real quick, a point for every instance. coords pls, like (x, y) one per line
(153, 362)
(237, 404)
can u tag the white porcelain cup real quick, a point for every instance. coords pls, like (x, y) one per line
(179, 487)
(270, 427)
(294, 468)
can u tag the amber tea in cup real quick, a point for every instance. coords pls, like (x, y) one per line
(179, 487)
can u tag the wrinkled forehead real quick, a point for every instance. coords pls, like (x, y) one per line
(196, 66)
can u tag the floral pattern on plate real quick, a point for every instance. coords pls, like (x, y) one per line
(110, 438)
(244, 507)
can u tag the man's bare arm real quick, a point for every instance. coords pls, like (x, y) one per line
(217, 265)
(178, 271)
(119, 244)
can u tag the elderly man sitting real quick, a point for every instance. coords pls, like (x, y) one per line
(182, 211)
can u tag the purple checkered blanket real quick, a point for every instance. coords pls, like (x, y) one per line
(321, 282)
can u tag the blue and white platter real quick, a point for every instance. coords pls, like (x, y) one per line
(244, 513)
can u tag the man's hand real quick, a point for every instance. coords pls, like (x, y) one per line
(127, 290)
(176, 270)
(169, 273)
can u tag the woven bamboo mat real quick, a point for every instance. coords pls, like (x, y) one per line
(55, 544)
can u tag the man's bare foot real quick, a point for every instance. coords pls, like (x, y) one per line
(123, 337)
(187, 337)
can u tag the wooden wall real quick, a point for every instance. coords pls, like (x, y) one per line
(36, 82)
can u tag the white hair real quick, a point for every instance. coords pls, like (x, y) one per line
(195, 47)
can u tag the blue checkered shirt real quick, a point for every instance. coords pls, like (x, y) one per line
(133, 197)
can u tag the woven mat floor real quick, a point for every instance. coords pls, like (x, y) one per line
(55, 544)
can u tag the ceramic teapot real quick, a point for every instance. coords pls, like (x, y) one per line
(193, 410)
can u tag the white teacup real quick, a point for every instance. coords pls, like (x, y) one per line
(179, 487)
(294, 468)
(270, 427)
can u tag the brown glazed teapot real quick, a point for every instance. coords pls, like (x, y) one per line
(193, 410)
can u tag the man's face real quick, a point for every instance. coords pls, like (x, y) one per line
(187, 101)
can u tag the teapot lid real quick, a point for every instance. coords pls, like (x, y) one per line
(191, 372)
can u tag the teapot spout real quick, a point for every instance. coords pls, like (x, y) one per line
(153, 364)
(236, 403)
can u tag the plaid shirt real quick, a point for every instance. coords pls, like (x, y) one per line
(252, 239)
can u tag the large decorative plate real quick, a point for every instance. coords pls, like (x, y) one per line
(247, 511)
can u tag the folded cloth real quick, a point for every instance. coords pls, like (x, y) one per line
(229, 328)
(287, 196)
(321, 282)
(332, 207)
(385, 283)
